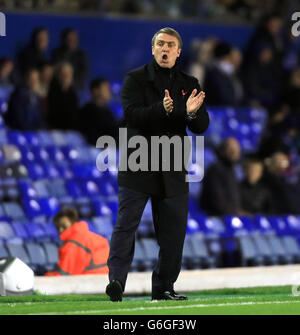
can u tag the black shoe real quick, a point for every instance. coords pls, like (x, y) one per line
(114, 290)
(167, 295)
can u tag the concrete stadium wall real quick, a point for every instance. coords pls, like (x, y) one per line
(188, 281)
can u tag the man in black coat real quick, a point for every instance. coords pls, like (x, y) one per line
(158, 100)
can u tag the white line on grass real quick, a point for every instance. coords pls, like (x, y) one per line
(104, 311)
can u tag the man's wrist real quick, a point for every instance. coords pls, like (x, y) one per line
(191, 115)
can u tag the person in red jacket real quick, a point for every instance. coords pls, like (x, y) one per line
(82, 252)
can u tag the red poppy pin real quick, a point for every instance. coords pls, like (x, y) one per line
(183, 92)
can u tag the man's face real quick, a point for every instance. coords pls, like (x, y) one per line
(103, 92)
(254, 172)
(63, 224)
(166, 50)
(233, 150)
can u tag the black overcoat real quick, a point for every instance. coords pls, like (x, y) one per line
(144, 114)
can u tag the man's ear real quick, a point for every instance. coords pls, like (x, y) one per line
(152, 49)
(179, 53)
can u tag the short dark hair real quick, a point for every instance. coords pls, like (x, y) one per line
(168, 31)
(96, 82)
(69, 212)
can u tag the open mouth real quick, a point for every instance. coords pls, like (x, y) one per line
(165, 57)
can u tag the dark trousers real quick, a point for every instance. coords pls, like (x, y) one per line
(170, 221)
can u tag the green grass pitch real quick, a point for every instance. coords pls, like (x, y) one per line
(243, 301)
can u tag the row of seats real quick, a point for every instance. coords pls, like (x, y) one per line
(46, 231)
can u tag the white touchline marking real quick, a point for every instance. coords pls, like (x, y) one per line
(170, 307)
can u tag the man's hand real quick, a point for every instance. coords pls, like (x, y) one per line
(194, 101)
(168, 102)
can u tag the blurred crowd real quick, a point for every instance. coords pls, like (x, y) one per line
(265, 76)
(226, 10)
(44, 90)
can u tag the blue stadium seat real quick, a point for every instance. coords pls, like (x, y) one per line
(151, 249)
(64, 170)
(57, 188)
(239, 224)
(16, 249)
(51, 232)
(41, 155)
(27, 154)
(248, 252)
(75, 138)
(51, 252)
(45, 138)
(41, 188)
(55, 153)
(3, 250)
(51, 170)
(13, 210)
(90, 188)
(201, 252)
(74, 188)
(32, 208)
(49, 206)
(280, 225)
(20, 230)
(36, 231)
(17, 137)
(36, 254)
(27, 189)
(36, 171)
(103, 226)
(139, 262)
(32, 138)
(6, 231)
(100, 208)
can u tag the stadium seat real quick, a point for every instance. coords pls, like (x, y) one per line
(11, 153)
(17, 138)
(49, 206)
(201, 252)
(57, 188)
(264, 250)
(37, 256)
(249, 255)
(20, 230)
(16, 249)
(139, 263)
(291, 247)
(45, 138)
(6, 231)
(32, 138)
(103, 226)
(51, 251)
(13, 210)
(55, 153)
(40, 154)
(3, 250)
(151, 250)
(36, 231)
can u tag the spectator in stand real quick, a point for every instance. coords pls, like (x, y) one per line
(82, 252)
(262, 79)
(255, 196)
(204, 53)
(46, 75)
(221, 81)
(96, 118)
(268, 32)
(6, 69)
(24, 107)
(283, 183)
(63, 104)
(69, 51)
(220, 191)
(35, 53)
